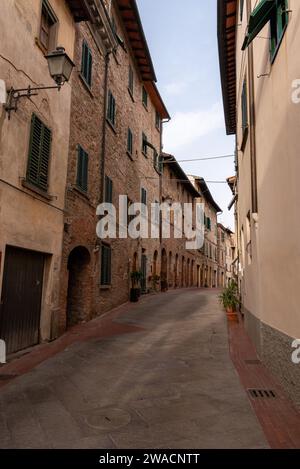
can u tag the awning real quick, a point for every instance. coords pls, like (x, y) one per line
(258, 19)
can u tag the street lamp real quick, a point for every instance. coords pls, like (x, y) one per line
(60, 69)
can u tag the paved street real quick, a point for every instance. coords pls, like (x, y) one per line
(169, 385)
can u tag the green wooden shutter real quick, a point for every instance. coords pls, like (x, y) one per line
(82, 169)
(39, 153)
(86, 63)
(259, 17)
(129, 142)
(108, 190)
(106, 265)
(244, 106)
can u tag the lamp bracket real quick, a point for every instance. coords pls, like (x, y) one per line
(15, 95)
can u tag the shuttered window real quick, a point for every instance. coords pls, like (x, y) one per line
(111, 109)
(144, 144)
(86, 63)
(39, 153)
(279, 21)
(244, 103)
(145, 97)
(241, 9)
(108, 190)
(105, 265)
(129, 141)
(144, 196)
(130, 80)
(82, 169)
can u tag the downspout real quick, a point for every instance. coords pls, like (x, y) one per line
(252, 122)
(103, 150)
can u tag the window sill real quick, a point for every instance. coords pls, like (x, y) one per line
(105, 287)
(111, 125)
(157, 128)
(146, 107)
(145, 154)
(29, 185)
(81, 192)
(130, 155)
(85, 84)
(274, 55)
(131, 95)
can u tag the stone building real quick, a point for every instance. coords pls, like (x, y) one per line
(33, 166)
(182, 265)
(226, 255)
(115, 143)
(259, 62)
(209, 268)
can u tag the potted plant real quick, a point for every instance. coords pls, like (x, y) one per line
(155, 281)
(229, 298)
(135, 291)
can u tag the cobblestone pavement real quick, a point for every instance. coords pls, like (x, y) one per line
(168, 384)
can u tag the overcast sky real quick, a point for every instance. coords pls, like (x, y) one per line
(182, 38)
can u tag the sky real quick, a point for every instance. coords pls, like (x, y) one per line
(182, 38)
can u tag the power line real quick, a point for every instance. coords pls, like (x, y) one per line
(199, 159)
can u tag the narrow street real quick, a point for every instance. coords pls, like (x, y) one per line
(170, 383)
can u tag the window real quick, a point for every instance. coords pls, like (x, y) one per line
(143, 196)
(105, 265)
(82, 169)
(39, 153)
(145, 97)
(130, 80)
(48, 27)
(155, 160)
(265, 11)
(244, 102)
(108, 190)
(279, 21)
(111, 109)
(144, 144)
(157, 121)
(241, 9)
(208, 223)
(129, 142)
(86, 64)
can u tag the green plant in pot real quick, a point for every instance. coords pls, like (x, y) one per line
(135, 291)
(229, 298)
(155, 282)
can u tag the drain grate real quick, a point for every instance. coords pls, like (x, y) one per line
(253, 362)
(262, 393)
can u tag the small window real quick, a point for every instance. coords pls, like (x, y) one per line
(48, 27)
(157, 121)
(244, 102)
(144, 144)
(86, 64)
(108, 190)
(241, 9)
(145, 97)
(105, 265)
(130, 80)
(279, 21)
(39, 153)
(129, 142)
(82, 169)
(111, 109)
(155, 160)
(144, 196)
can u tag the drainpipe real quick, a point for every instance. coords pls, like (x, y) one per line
(103, 151)
(252, 122)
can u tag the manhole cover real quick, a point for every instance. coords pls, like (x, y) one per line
(107, 419)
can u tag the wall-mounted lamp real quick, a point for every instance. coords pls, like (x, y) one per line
(60, 69)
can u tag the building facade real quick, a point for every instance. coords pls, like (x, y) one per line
(34, 145)
(260, 79)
